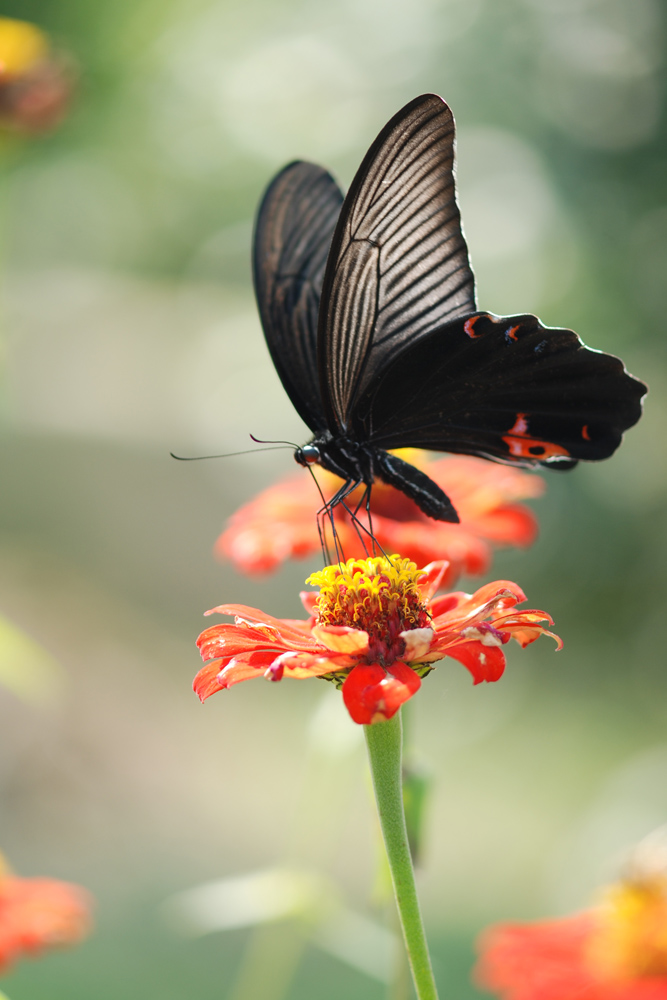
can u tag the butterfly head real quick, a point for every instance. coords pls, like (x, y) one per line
(308, 455)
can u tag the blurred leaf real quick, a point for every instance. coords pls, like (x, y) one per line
(359, 942)
(417, 783)
(26, 668)
(283, 894)
(248, 900)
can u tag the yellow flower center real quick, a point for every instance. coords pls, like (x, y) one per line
(379, 595)
(22, 46)
(632, 938)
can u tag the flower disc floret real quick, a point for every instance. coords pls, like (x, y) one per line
(379, 596)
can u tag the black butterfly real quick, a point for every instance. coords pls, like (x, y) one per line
(368, 308)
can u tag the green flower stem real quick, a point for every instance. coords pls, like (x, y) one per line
(384, 741)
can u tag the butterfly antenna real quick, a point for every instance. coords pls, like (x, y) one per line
(260, 441)
(229, 454)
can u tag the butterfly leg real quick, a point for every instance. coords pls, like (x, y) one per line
(323, 541)
(359, 524)
(323, 516)
(376, 544)
(321, 513)
(339, 498)
(327, 511)
(354, 516)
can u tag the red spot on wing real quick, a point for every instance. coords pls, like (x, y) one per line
(525, 447)
(469, 327)
(520, 424)
(584, 433)
(511, 332)
(521, 445)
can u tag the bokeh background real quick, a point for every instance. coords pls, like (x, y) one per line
(129, 330)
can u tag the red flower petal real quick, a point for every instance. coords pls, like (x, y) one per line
(492, 598)
(279, 523)
(510, 524)
(373, 694)
(420, 540)
(232, 640)
(342, 638)
(37, 913)
(505, 594)
(228, 670)
(206, 682)
(485, 663)
(244, 615)
(309, 600)
(246, 666)
(276, 525)
(433, 578)
(447, 602)
(541, 961)
(301, 666)
(524, 636)
(250, 632)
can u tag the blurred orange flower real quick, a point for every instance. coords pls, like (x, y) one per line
(35, 82)
(39, 913)
(279, 524)
(375, 629)
(617, 950)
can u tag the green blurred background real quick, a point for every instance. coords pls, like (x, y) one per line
(129, 330)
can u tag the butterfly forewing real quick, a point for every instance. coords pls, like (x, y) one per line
(293, 233)
(379, 345)
(398, 266)
(502, 387)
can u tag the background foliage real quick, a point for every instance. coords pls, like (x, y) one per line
(129, 330)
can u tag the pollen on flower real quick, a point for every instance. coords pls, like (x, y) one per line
(486, 634)
(379, 595)
(631, 940)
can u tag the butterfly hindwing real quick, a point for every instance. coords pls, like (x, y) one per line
(506, 388)
(398, 266)
(295, 223)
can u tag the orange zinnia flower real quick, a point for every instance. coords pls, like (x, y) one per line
(35, 82)
(39, 913)
(375, 629)
(615, 951)
(279, 524)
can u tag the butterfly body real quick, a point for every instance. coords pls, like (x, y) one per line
(369, 312)
(357, 463)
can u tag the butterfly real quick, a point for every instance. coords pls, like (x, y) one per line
(368, 308)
